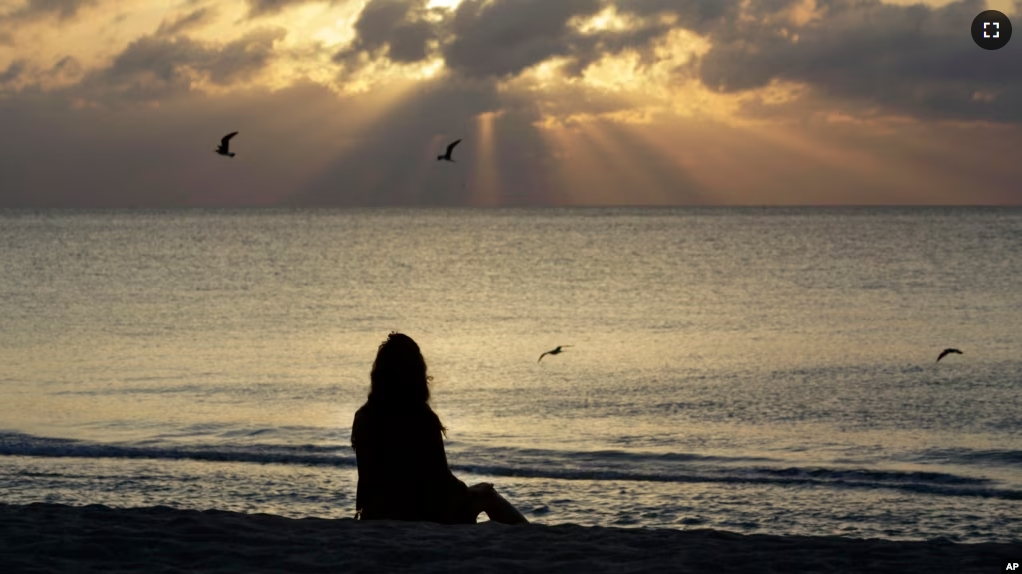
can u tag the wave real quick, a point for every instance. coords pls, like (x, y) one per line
(915, 482)
(609, 456)
(972, 457)
(17, 444)
(543, 464)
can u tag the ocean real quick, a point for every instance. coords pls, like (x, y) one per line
(758, 370)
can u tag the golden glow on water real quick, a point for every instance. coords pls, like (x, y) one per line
(726, 354)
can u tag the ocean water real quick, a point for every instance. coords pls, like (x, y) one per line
(753, 370)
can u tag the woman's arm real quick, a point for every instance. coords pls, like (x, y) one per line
(437, 461)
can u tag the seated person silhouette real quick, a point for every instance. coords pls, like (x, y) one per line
(399, 446)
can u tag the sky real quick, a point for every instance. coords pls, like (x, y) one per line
(120, 103)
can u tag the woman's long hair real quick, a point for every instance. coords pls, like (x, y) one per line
(399, 379)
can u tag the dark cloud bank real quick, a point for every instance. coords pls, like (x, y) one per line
(912, 60)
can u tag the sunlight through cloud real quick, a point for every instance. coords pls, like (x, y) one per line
(447, 4)
(607, 19)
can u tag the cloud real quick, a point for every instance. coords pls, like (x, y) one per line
(695, 15)
(586, 49)
(67, 65)
(496, 38)
(13, 72)
(186, 22)
(400, 29)
(245, 56)
(63, 9)
(156, 67)
(23, 75)
(65, 72)
(915, 60)
(258, 8)
(35, 10)
(501, 38)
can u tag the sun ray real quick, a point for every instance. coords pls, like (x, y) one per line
(733, 164)
(669, 176)
(636, 185)
(785, 164)
(361, 112)
(557, 139)
(414, 188)
(843, 161)
(485, 189)
(583, 174)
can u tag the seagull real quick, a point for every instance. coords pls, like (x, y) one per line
(222, 150)
(946, 352)
(556, 351)
(447, 156)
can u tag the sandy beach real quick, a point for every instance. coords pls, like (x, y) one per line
(58, 538)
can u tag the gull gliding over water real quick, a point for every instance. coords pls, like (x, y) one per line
(224, 144)
(556, 351)
(447, 156)
(947, 352)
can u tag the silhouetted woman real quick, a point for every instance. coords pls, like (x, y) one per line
(399, 445)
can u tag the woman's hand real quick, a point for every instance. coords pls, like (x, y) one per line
(480, 495)
(481, 489)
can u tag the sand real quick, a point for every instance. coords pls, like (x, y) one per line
(57, 538)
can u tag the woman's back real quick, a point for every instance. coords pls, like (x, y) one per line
(399, 444)
(402, 467)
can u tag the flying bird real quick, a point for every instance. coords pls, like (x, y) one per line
(224, 143)
(556, 351)
(947, 352)
(447, 156)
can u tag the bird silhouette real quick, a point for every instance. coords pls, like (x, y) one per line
(947, 352)
(556, 351)
(224, 143)
(447, 156)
